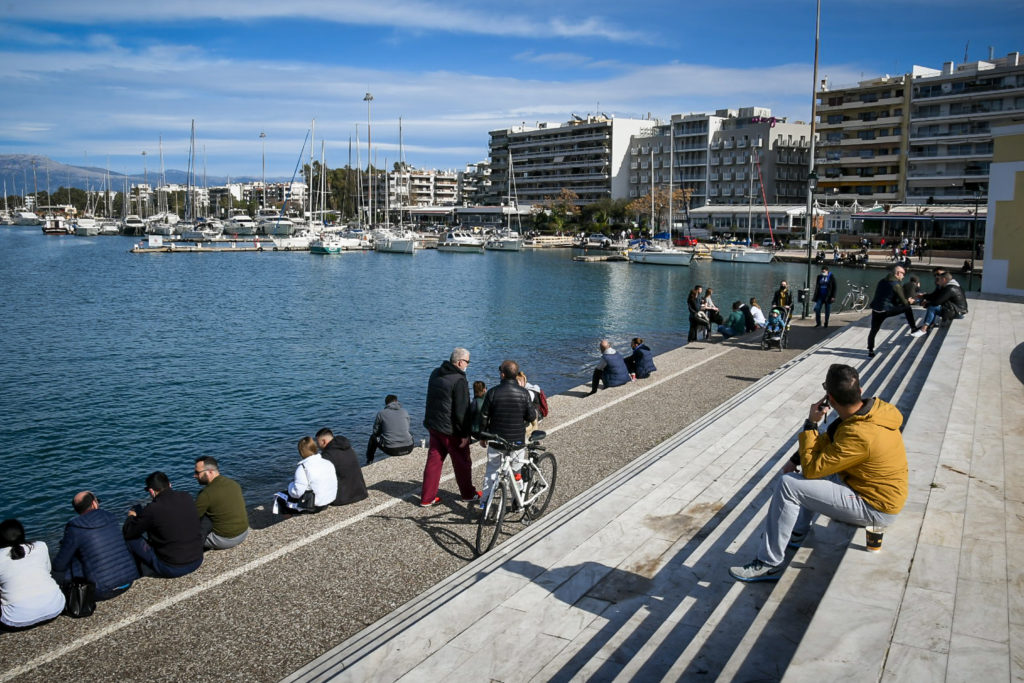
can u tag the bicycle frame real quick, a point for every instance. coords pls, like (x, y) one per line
(506, 474)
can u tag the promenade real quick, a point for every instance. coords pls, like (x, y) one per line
(662, 486)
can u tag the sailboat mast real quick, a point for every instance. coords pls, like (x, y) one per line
(312, 142)
(654, 229)
(750, 197)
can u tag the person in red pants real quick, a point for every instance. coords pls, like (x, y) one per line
(446, 419)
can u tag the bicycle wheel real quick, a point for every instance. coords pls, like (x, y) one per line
(548, 467)
(847, 301)
(489, 526)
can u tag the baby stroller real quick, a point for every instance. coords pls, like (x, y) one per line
(703, 326)
(776, 329)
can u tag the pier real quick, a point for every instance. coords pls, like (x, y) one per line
(662, 485)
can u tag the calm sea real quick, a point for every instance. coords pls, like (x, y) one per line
(116, 365)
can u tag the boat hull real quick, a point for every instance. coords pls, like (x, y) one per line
(396, 246)
(661, 258)
(741, 255)
(461, 248)
(510, 244)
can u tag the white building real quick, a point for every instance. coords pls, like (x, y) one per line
(587, 156)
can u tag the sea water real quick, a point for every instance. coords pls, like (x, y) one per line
(119, 364)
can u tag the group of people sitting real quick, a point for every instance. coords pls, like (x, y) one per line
(614, 369)
(743, 317)
(167, 537)
(945, 303)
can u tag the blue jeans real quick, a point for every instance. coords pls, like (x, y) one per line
(154, 566)
(726, 332)
(930, 313)
(817, 310)
(797, 501)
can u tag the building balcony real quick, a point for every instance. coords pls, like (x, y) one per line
(857, 104)
(925, 158)
(727, 144)
(716, 144)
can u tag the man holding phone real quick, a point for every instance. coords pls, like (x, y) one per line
(854, 472)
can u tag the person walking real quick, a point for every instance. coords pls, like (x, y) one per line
(824, 295)
(445, 417)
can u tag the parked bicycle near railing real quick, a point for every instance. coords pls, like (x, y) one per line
(856, 298)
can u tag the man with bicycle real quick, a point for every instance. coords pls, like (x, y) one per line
(506, 411)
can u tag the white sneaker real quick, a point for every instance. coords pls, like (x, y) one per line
(918, 333)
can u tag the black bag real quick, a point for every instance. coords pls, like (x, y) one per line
(308, 500)
(79, 598)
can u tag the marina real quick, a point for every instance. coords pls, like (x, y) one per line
(100, 361)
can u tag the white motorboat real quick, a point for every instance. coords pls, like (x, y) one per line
(133, 225)
(27, 218)
(506, 240)
(334, 243)
(239, 223)
(460, 242)
(740, 253)
(298, 241)
(86, 226)
(663, 254)
(276, 225)
(109, 227)
(204, 230)
(163, 228)
(56, 225)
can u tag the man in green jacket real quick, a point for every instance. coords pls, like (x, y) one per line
(221, 506)
(854, 472)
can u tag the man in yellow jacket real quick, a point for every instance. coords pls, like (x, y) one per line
(854, 472)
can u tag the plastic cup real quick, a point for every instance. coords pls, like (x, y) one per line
(874, 537)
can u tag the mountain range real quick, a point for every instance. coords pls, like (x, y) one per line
(16, 170)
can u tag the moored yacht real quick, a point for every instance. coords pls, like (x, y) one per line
(133, 225)
(86, 226)
(239, 223)
(660, 253)
(460, 242)
(740, 253)
(27, 218)
(505, 240)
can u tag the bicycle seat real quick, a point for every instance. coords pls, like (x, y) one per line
(538, 435)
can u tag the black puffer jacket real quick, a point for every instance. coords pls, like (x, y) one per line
(507, 410)
(351, 485)
(447, 401)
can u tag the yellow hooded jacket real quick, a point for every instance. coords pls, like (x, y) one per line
(866, 450)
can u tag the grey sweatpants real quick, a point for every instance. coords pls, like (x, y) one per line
(798, 500)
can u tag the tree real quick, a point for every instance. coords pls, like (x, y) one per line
(641, 207)
(562, 209)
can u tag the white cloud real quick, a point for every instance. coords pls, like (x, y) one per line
(414, 15)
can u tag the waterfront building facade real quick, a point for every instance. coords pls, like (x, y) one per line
(474, 184)
(924, 137)
(587, 155)
(408, 187)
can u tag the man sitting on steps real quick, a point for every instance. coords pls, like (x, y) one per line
(855, 472)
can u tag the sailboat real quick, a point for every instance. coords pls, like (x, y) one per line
(743, 253)
(660, 250)
(397, 240)
(508, 239)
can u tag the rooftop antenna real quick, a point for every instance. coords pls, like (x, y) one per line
(965, 50)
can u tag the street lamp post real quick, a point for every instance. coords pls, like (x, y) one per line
(368, 98)
(811, 175)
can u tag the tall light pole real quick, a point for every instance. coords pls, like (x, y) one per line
(811, 175)
(263, 143)
(368, 98)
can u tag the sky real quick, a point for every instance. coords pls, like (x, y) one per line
(99, 83)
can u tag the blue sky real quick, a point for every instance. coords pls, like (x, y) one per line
(105, 79)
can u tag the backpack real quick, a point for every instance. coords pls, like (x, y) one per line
(542, 403)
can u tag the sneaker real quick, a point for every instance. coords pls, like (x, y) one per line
(918, 333)
(871, 354)
(796, 540)
(756, 571)
(431, 504)
(475, 499)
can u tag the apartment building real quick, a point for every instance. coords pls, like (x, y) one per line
(921, 138)
(416, 187)
(587, 155)
(474, 184)
(715, 156)
(951, 117)
(861, 140)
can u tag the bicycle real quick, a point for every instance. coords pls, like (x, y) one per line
(538, 485)
(856, 298)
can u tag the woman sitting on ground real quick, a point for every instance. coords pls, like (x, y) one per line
(314, 474)
(28, 594)
(755, 310)
(641, 363)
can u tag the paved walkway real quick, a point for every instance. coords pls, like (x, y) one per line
(629, 580)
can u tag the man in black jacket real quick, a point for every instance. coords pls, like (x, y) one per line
(506, 411)
(338, 450)
(889, 300)
(445, 418)
(173, 545)
(947, 301)
(94, 548)
(824, 295)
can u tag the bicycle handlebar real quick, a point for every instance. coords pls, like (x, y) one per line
(505, 445)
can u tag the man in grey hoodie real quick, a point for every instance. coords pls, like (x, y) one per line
(390, 430)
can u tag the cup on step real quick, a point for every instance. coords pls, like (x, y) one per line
(874, 537)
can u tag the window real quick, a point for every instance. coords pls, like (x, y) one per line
(834, 137)
(866, 135)
(838, 118)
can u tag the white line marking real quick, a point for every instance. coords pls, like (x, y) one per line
(294, 545)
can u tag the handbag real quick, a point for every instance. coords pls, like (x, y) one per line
(308, 499)
(79, 598)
